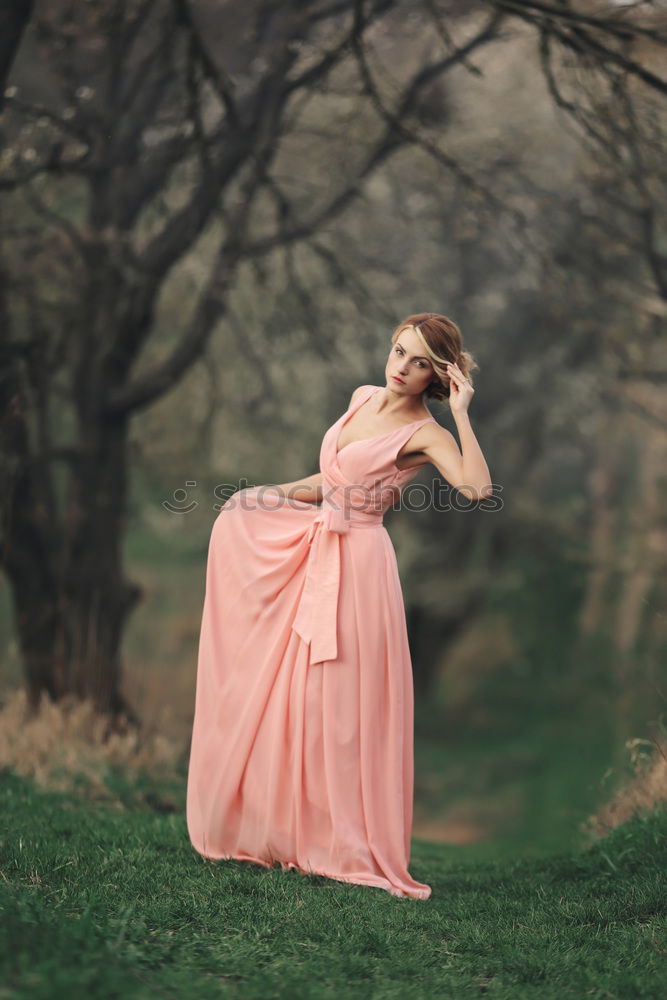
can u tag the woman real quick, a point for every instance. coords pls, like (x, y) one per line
(302, 742)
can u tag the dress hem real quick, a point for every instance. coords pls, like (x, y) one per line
(287, 865)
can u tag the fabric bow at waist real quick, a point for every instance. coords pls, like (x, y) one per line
(317, 613)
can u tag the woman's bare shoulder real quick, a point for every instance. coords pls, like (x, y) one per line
(357, 392)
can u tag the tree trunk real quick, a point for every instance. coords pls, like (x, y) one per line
(14, 17)
(643, 568)
(603, 485)
(70, 598)
(627, 558)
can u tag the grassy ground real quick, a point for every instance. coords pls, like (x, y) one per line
(108, 903)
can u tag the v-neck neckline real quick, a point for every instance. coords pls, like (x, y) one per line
(374, 437)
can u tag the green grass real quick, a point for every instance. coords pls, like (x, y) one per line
(104, 903)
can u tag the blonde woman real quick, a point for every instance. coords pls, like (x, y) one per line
(302, 741)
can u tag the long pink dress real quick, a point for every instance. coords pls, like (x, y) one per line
(302, 740)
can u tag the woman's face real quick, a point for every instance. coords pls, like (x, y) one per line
(408, 362)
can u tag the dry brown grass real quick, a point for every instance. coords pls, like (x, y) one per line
(67, 746)
(645, 789)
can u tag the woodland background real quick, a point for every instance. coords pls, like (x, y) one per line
(213, 215)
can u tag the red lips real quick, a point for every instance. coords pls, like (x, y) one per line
(396, 379)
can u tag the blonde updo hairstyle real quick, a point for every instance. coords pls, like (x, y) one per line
(443, 344)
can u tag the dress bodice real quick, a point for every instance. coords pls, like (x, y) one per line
(359, 483)
(362, 480)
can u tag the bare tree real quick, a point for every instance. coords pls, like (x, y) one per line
(139, 143)
(151, 125)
